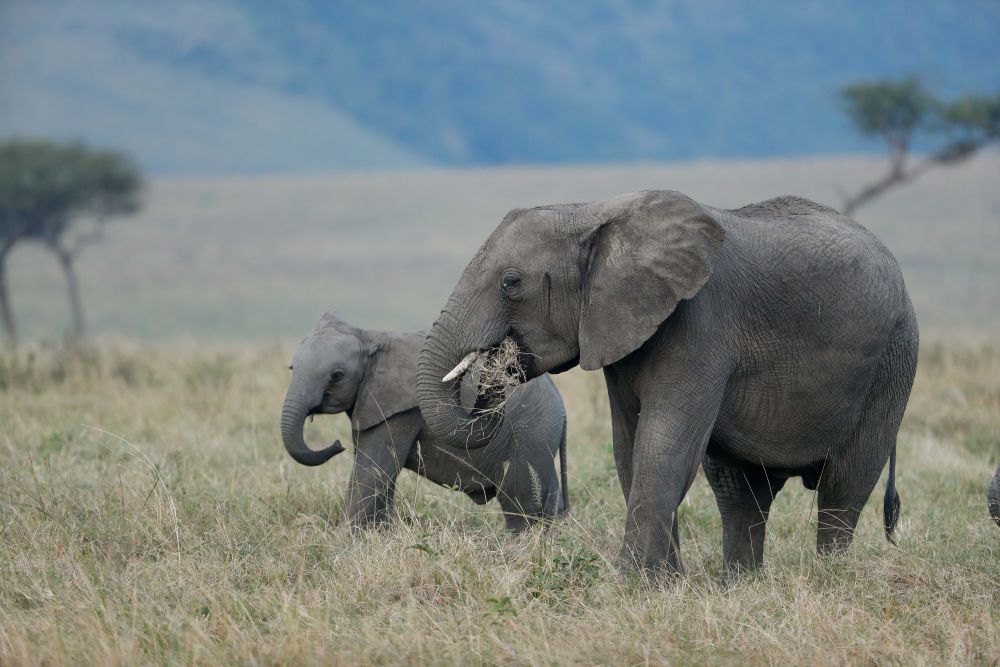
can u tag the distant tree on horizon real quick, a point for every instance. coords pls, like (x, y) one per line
(898, 112)
(60, 195)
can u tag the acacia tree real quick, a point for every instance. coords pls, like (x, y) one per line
(60, 195)
(902, 112)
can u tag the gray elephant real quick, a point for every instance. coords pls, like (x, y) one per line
(994, 497)
(772, 341)
(370, 376)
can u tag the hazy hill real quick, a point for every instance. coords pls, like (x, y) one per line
(71, 71)
(567, 81)
(246, 86)
(254, 258)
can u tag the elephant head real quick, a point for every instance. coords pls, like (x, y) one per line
(572, 284)
(994, 497)
(339, 368)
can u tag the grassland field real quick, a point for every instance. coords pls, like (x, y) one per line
(149, 515)
(261, 258)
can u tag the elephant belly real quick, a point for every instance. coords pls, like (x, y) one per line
(795, 412)
(470, 471)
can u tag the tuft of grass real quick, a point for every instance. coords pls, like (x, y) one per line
(149, 515)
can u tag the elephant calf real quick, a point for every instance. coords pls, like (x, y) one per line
(370, 376)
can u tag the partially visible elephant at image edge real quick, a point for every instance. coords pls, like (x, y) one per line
(993, 497)
(370, 376)
(767, 342)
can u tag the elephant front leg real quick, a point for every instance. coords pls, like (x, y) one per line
(371, 489)
(369, 500)
(624, 419)
(377, 462)
(668, 449)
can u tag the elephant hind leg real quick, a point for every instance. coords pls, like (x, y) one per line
(529, 490)
(849, 477)
(845, 485)
(744, 496)
(529, 497)
(836, 520)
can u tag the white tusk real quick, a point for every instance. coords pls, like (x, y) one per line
(463, 365)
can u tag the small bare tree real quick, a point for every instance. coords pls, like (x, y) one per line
(901, 112)
(60, 195)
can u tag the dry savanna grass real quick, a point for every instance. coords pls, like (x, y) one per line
(148, 514)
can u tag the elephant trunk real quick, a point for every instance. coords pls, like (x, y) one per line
(293, 419)
(994, 497)
(443, 360)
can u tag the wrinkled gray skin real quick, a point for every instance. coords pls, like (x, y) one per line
(370, 376)
(768, 342)
(994, 497)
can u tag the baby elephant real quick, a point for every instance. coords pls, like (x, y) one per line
(370, 375)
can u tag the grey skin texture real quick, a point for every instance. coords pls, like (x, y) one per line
(768, 342)
(370, 376)
(994, 497)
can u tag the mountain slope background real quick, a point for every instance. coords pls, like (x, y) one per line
(247, 86)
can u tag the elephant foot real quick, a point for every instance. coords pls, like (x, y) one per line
(736, 572)
(665, 567)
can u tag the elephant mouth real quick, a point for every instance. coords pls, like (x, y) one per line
(563, 367)
(495, 371)
(325, 409)
(293, 417)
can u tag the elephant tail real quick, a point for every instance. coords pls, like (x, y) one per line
(563, 478)
(891, 503)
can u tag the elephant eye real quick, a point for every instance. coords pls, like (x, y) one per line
(510, 283)
(337, 375)
(290, 367)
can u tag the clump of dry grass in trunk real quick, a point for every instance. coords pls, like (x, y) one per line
(497, 373)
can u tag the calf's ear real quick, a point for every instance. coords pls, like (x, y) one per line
(389, 385)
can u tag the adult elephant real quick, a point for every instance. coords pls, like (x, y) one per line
(768, 342)
(370, 376)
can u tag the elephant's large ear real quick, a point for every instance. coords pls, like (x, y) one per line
(648, 251)
(389, 386)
